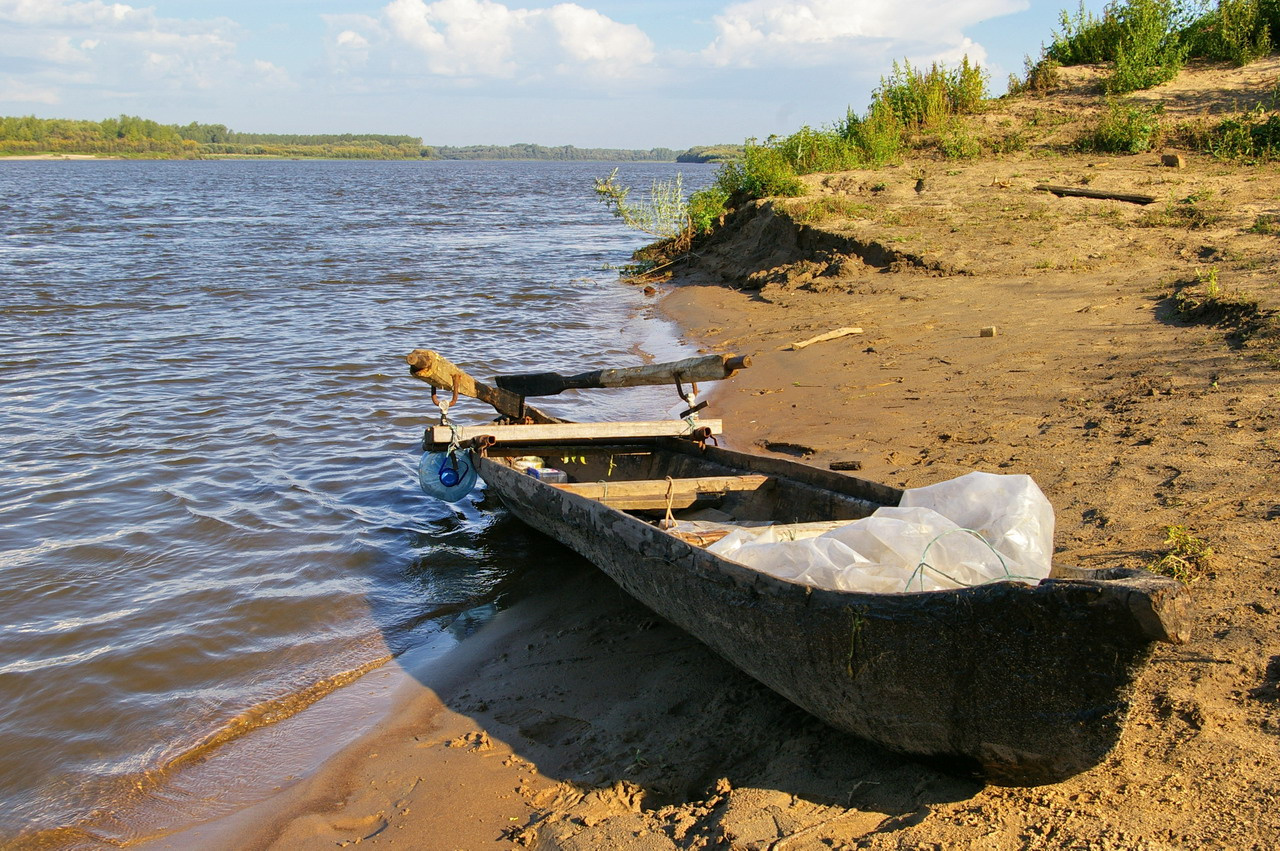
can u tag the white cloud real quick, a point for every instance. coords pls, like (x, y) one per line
(814, 32)
(19, 91)
(588, 36)
(269, 75)
(352, 40)
(59, 13)
(119, 48)
(482, 39)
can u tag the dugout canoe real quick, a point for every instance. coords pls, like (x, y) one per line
(1024, 684)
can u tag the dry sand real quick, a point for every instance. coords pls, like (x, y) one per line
(579, 720)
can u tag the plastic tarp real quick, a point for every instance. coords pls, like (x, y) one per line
(978, 528)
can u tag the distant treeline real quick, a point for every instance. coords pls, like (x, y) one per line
(526, 151)
(130, 136)
(712, 154)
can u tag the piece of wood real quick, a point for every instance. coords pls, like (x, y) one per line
(708, 368)
(658, 494)
(830, 335)
(701, 539)
(562, 431)
(437, 371)
(1097, 193)
(1172, 160)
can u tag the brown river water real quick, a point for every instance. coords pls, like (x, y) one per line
(209, 517)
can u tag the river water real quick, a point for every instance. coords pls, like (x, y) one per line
(208, 511)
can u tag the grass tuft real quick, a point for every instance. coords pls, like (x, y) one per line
(1187, 558)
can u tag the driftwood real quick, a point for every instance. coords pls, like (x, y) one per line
(1097, 193)
(708, 368)
(830, 335)
(440, 373)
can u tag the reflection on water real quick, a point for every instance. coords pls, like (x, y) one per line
(208, 508)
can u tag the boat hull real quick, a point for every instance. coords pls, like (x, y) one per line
(1025, 684)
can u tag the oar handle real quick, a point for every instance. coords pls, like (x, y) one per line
(705, 368)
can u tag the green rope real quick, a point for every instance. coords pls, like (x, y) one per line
(924, 564)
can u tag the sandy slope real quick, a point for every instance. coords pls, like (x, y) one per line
(581, 721)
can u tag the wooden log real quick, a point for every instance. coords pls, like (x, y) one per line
(437, 371)
(569, 432)
(1097, 193)
(708, 368)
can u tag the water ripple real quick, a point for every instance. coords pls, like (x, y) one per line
(208, 513)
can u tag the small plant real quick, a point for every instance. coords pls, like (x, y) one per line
(1267, 224)
(1187, 558)
(664, 214)
(1246, 324)
(1038, 77)
(957, 142)
(1124, 128)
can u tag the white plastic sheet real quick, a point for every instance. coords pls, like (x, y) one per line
(978, 528)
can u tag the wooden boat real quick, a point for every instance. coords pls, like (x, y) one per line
(1024, 684)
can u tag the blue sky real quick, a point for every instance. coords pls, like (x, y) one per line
(592, 73)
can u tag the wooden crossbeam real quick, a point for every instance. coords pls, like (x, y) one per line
(652, 494)
(557, 432)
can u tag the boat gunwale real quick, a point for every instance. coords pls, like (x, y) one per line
(1143, 592)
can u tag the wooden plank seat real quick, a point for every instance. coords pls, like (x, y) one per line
(659, 494)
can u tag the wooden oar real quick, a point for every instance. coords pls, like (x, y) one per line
(708, 368)
(437, 371)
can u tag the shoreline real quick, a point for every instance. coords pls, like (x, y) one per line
(593, 723)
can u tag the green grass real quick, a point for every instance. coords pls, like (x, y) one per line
(1197, 211)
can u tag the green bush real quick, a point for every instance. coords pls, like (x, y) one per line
(1124, 128)
(1142, 38)
(924, 99)
(1254, 136)
(957, 142)
(1039, 76)
(706, 206)
(809, 150)
(762, 171)
(1237, 31)
(1084, 39)
(876, 135)
(1149, 50)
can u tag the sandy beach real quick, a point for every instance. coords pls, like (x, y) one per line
(580, 720)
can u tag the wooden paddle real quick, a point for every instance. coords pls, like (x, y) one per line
(708, 368)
